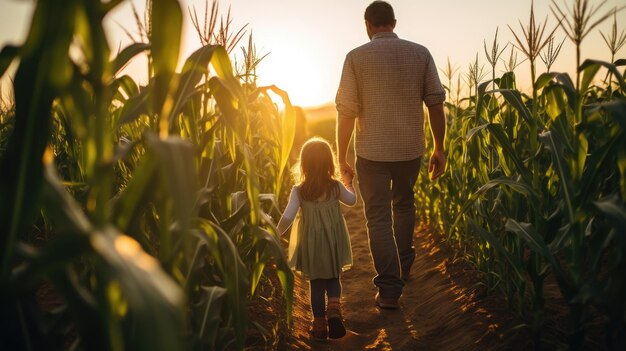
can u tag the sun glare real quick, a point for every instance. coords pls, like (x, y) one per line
(293, 73)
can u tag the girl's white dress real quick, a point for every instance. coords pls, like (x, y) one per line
(319, 245)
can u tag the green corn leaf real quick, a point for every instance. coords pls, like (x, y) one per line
(464, 208)
(507, 81)
(167, 21)
(516, 185)
(564, 81)
(130, 202)
(177, 167)
(615, 110)
(612, 207)
(474, 131)
(211, 316)
(497, 131)
(235, 278)
(480, 111)
(76, 102)
(7, 56)
(555, 102)
(544, 79)
(224, 70)
(126, 85)
(589, 72)
(621, 165)
(287, 134)
(108, 6)
(514, 98)
(258, 265)
(225, 102)
(42, 69)
(153, 297)
(134, 107)
(561, 238)
(563, 170)
(284, 272)
(596, 162)
(240, 210)
(252, 184)
(488, 237)
(591, 66)
(195, 67)
(127, 54)
(60, 204)
(527, 232)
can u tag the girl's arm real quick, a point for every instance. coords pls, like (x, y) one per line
(290, 212)
(346, 194)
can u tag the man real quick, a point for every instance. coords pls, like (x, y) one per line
(383, 87)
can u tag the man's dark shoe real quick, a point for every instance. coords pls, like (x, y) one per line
(387, 303)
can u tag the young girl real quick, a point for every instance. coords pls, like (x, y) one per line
(319, 247)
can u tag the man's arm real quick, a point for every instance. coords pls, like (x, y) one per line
(345, 127)
(437, 120)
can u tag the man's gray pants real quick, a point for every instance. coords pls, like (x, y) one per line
(383, 186)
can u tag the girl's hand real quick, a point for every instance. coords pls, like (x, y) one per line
(346, 170)
(347, 180)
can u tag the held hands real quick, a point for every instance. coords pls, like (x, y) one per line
(347, 174)
(437, 164)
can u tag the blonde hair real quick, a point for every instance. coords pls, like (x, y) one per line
(317, 171)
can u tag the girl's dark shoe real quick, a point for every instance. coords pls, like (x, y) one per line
(319, 330)
(336, 328)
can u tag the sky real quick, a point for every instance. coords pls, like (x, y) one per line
(306, 41)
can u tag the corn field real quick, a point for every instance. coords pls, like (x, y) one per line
(154, 217)
(536, 182)
(148, 208)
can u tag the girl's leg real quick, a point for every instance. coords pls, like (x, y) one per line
(319, 329)
(318, 298)
(333, 288)
(336, 328)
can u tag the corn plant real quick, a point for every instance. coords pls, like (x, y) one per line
(158, 211)
(535, 189)
(614, 42)
(579, 20)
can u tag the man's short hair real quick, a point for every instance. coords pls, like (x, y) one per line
(380, 13)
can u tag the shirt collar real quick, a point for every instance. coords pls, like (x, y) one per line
(382, 35)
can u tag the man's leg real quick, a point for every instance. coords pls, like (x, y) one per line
(374, 179)
(403, 177)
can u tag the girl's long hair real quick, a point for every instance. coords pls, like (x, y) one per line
(317, 171)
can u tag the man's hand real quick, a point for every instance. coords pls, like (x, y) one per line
(347, 173)
(437, 164)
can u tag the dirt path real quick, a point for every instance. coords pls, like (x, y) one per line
(439, 310)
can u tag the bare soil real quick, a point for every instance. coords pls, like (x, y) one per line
(442, 307)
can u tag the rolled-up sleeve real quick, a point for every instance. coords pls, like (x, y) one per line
(433, 90)
(347, 99)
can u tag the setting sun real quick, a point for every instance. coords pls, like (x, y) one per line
(306, 85)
